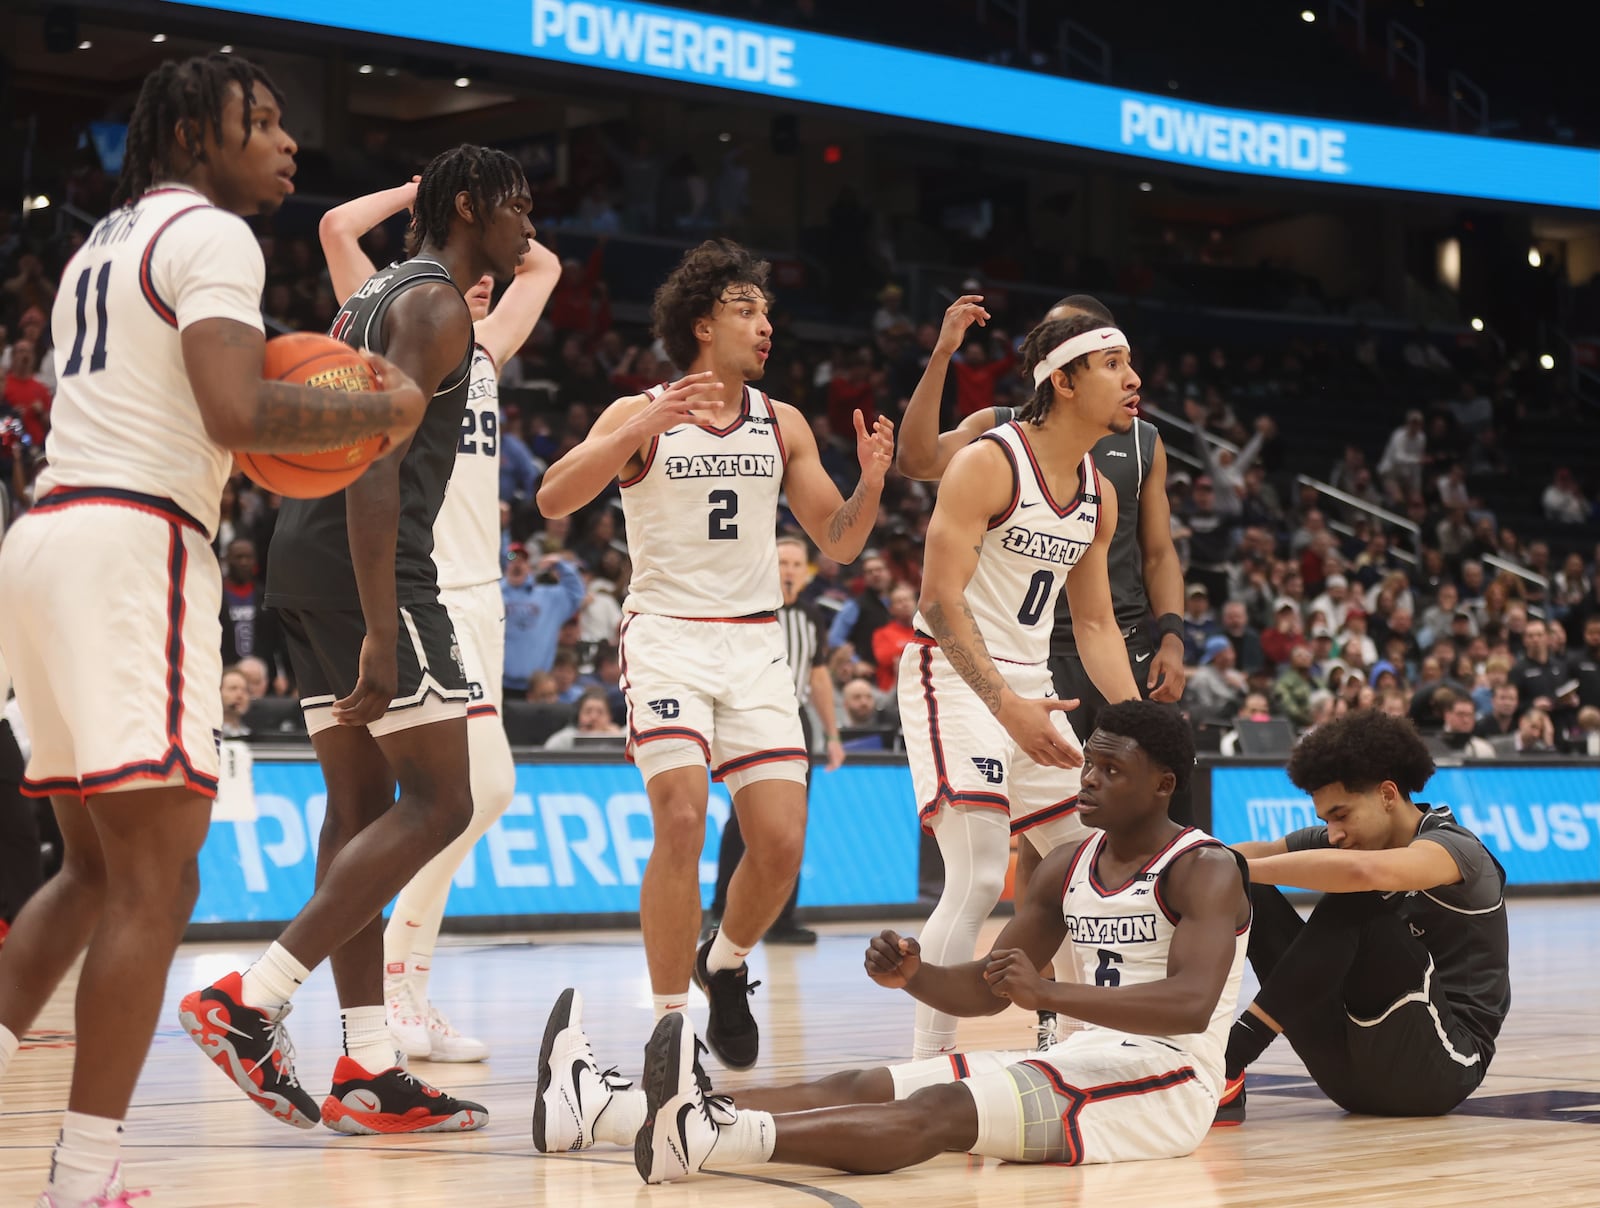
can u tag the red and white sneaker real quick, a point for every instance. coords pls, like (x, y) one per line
(251, 1047)
(394, 1101)
(112, 1195)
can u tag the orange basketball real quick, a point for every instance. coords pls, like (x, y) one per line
(314, 360)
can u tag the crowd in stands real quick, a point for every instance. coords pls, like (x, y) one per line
(1301, 605)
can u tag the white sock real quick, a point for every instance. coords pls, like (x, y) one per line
(725, 953)
(85, 1157)
(366, 1038)
(932, 1044)
(620, 1120)
(272, 980)
(418, 969)
(9, 1043)
(666, 1003)
(747, 1141)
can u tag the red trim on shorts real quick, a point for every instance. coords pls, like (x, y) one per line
(147, 285)
(757, 758)
(482, 711)
(649, 460)
(750, 618)
(918, 638)
(1079, 1098)
(1050, 812)
(1016, 481)
(639, 738)
(944, 792)
(154, 505)
(958, 1063)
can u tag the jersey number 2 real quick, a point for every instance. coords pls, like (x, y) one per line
(97, 357)
(1038, 593)
(724, 507)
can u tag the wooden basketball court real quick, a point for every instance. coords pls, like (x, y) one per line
(1532, 1131)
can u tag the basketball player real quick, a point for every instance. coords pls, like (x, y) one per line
(466, 551)
(159, 355)
(382, 686)
(988, 758)
(1158, 916)
(701, 465)
(1142, 563)
(1394, 990)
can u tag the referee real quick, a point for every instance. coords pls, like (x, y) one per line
(806, 652)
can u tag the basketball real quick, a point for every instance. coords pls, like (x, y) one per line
(309, 359)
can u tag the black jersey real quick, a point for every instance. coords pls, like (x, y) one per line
(1122, 459)
(308, 563)
(1463, 926)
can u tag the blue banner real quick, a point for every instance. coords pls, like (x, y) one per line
(1542, 823)
(672, 44)
(574, 841)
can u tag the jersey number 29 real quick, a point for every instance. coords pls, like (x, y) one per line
(475, 424)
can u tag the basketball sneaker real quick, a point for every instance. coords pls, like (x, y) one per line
(683, 1118)
(408, 1018)
(445, 1044)
(731, 1033)
(250, 1046)
(394, 1101)
(1046, 1031)
(574, 1091)
(1230, 1107)
(112, 1195)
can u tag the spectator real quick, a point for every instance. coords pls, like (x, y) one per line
(1392, 703)
(1291, 692)
(1215, 688)
(1563, 502)
(1353, 644)
(1569, 585)
(1496, 675)
(1334, 602)
(1199, 624)
(1585, 663)
(593, 720)
(564, 674)
(31, 287)
(890, 318)
(1535, 734)
(1255, 707)
(865, 612)
(256, 676)
(1287, 632)
(538, 603)
(1209, 539)
(1246, 641)
(542, 689)
(1458, 734)
(1586, 739)
(894, 635)
(859, 701)
(1538, 672)
(25, 394)
(235, 703)
(248, 626)
(977, 370)
(1400, 467)
(1501, 721)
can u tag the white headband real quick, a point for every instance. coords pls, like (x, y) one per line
(1071, 350)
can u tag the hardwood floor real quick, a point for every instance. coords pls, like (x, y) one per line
(1531, 1131)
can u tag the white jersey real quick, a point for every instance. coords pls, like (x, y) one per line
(466, 534)
(702, 518)
(124, 414)
(1026, 554)
(1123, 936)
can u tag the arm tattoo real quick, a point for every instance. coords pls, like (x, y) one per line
(846, 515)
(974, 664)
(295, 418)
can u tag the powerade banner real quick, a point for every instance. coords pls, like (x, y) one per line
(574, 841)
(671, 44)
(1542, 823)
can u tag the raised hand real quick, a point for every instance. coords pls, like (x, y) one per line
(676, 404)
(875, 448)
(962, 314)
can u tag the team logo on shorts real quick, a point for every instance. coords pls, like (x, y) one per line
(455, 657)
(666, 708)
(474, 691)
(991, 770)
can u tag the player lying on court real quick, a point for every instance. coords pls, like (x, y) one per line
(1159, 916)
(1394, 990)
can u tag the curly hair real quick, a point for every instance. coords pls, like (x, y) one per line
(1087, 304)
(694, 289)
(1161, 731)
(193, 94)
(1041, 341)
(1360, 751)
(485, 175)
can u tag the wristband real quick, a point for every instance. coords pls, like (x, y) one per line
(1169, 623)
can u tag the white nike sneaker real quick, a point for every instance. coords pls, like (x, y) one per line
(408, 1018)
(447, 1044)
(573, 1090)
(683, 1119)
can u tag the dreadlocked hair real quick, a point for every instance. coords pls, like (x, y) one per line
(1161, 732)
(485, 175)
(1041, 342)
(694, 289)
(192, 94)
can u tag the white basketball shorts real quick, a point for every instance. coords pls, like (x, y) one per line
(110, 617)
(479, 615)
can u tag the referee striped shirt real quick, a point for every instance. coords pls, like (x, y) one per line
(802, 646)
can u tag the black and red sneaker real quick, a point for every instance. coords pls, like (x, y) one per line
(251, 1047)
(394, 1101)
(1230, 1107)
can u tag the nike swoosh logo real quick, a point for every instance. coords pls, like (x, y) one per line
(1139, 658)
(683, 1133)
(214, 1018)
(578, 1068)
(1034, 504)
(366, 1102)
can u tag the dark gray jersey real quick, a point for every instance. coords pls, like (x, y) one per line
(1123, 460)
(308, 563)
(1463, 926)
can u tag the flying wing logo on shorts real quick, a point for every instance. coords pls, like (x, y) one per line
(666, 708)
(455, 657)
(474, 691)
(991, 770)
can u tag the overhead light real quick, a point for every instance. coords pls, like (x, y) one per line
(1477, 323)
(1172, 85)
(462, 81)
(724, 137)
(1546, 361)
(1534, 258)
(391, 72)
(85, 44)
(38, 202)
(1307, 16)
(227, 50)
(158, 37)
(1145, 186)
(365, 69)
